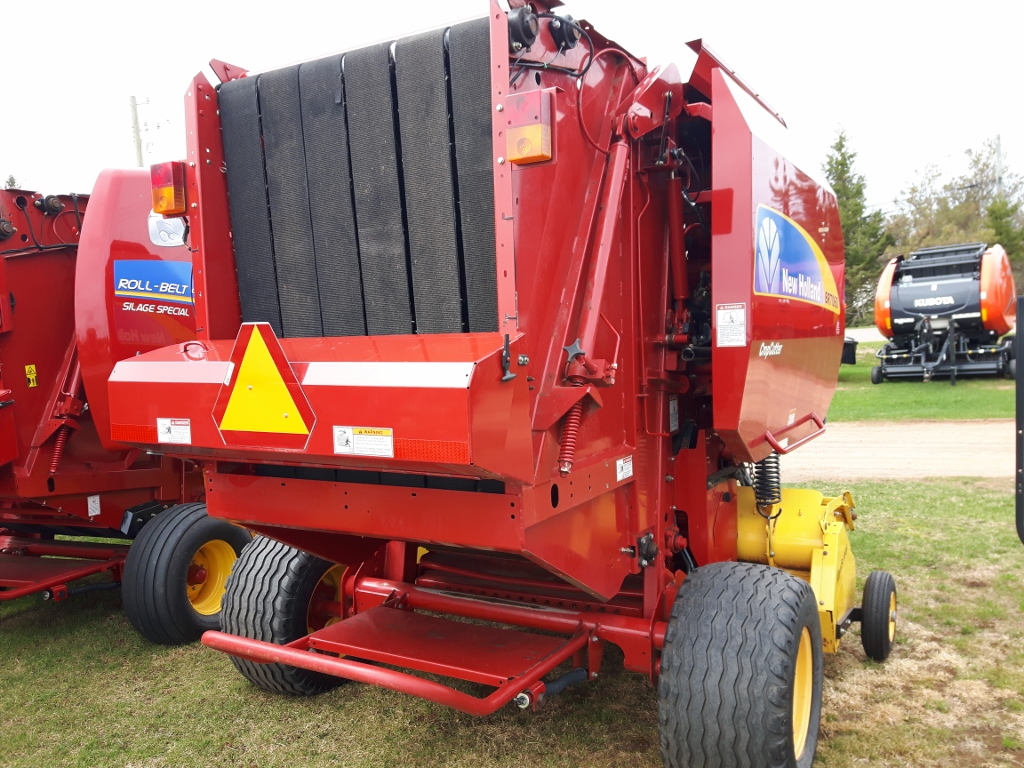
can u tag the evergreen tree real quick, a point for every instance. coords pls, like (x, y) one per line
(864, 233)
(1004, 219)
(11, 183)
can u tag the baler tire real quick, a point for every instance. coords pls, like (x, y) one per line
(742, 664)
(878, 615)
(876, 375)
(268, 598)
(154, 586)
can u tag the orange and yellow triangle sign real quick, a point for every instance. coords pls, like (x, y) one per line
(263, 399)
(260, 400)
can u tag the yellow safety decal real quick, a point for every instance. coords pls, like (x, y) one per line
(31, 378)
(260, 400)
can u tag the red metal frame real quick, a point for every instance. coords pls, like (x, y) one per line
(60, 472)
(605, 441)
(386, 630)
(28, 566)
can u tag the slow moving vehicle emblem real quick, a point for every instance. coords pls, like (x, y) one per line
(262, 404)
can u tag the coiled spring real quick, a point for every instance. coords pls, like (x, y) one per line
(570, 428)
(768, 481)
(58, 447)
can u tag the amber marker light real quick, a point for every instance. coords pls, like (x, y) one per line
(168, 180)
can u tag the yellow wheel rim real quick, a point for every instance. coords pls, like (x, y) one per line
(892, 617)
(327, 591)
(803, 693)
(208, 574)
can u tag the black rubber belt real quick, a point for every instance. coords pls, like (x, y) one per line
(330, 197)
(247, 197)
(289, 202)
(420, 77)
(377, 191)
(470, 60)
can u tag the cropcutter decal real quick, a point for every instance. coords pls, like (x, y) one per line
(262, 403)
(788, 264)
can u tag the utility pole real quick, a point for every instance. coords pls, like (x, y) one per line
(135, 132)
(999, 167)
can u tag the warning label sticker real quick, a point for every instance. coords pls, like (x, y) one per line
(731, 325)
(623, 468)
(94, 505)
(365, 441)
(178, 431)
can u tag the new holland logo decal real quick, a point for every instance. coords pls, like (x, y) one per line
(788, 264)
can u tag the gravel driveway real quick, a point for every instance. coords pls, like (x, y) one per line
(910, 449)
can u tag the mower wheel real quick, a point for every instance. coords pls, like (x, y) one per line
(876, 375)
(175, 573)
(741, 670)
(1011, 368)
(273, 595)
(878, 615)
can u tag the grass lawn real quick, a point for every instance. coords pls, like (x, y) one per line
(80, 688)
(857, 399)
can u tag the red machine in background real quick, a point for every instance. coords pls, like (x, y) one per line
(60, 473)
(500, 323)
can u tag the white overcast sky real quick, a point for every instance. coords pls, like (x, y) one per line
(912, 83)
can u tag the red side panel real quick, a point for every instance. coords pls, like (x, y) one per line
(777, 273)
(153, 306)
(56, 274)
(37, 277)
(439, 400)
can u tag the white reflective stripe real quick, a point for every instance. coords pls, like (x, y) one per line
(413, 375)
(171, 372)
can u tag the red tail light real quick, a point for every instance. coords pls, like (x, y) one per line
(168, 180)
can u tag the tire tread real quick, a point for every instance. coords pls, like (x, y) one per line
(266, 600)
(724, 685)
(874, 628)
(153, 592)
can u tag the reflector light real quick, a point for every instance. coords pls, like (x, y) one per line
(168, 181)
(528, 131)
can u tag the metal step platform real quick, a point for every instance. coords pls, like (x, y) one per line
(509, 660)
(28, 566)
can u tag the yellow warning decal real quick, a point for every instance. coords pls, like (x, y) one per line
(31, 378)
(260, 400)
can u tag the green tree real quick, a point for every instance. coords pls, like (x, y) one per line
(1004, 219)
(986, 204)
(864, 233)
(11, 183)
